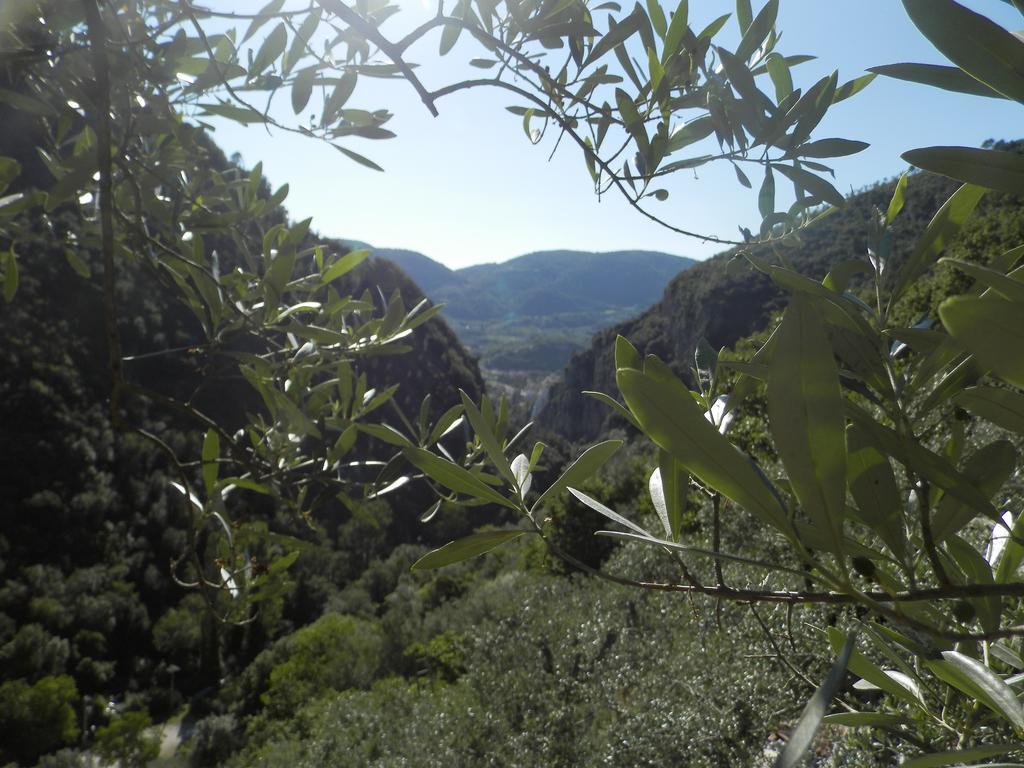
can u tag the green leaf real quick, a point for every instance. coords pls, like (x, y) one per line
(385, 433)
(657, 16)
(1013, 554)
(977, 571)
(978, 46)
(829, 148)
(357, 157)
(345, 264)
(941, 230)
(873, 486)
(339, 97)
(271, 49)
(77, 263)
(449, 420)
(589, 462)
(674, 422)
(302, 88)
(676, 31)
(454, 477)
(865, 720)
(961, 756)
(898, 198)
(988, 168)
(615, 405)
(668, 485)
(838, 278)
(782, 78)
(976, 680)
(987, 469)
(744, 15)
(211, 452)
(616, 34)
(766, 196)
(243, 115)
(9, 171)
(926, 463)
(463, 549)
(948, 78)
(852, 88)
(758, 30)
(487, 439)
(816, 185)
(802, 737)
(897, 684)
(805, 410)
(10, 262)
(611, 514)
(1003, 407)
(626, 355)
(992, 329)
(1006, 286)
(261, 18)
(449, 36)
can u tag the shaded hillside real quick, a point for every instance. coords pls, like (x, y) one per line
(532, 312)
(724, 299)
(91, 524)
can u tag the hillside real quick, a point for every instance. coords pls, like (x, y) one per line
(724, 299)
(533, 311)
(91, 522)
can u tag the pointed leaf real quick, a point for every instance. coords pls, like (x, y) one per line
(674, 422)
(1005, 408)
(976, 680)
(992, 329)
(978, 46)
(960, 757)
(465, 548)
(948, 78)
(800, 741)
(805, 409)
(454, 477)
(873, 487)
(758, 30)
(941, 230)
(211, 452)
(988, 168)
(487, 439)
(589, 462)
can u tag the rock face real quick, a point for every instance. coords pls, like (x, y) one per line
(724, 299)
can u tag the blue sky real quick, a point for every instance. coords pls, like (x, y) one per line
(467, 187)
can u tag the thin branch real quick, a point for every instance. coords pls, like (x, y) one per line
(104, 147)
(389, 49)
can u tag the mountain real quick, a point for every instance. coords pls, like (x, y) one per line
(724, 299)
(533, 311)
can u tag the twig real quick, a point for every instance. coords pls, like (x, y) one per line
(101, 121)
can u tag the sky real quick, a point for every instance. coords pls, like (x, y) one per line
(467, 187)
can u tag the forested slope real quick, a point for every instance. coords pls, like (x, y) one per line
(724, 299)
(91, 525)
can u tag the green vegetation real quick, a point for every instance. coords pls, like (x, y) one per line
(530, 313)
(219, 497)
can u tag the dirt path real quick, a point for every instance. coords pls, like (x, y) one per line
(170, 738)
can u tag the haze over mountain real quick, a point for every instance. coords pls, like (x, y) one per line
(533, 311)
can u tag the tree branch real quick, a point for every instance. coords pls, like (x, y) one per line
(101, 123)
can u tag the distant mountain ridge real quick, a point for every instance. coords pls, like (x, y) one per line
(543, 282)
(532, 311)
